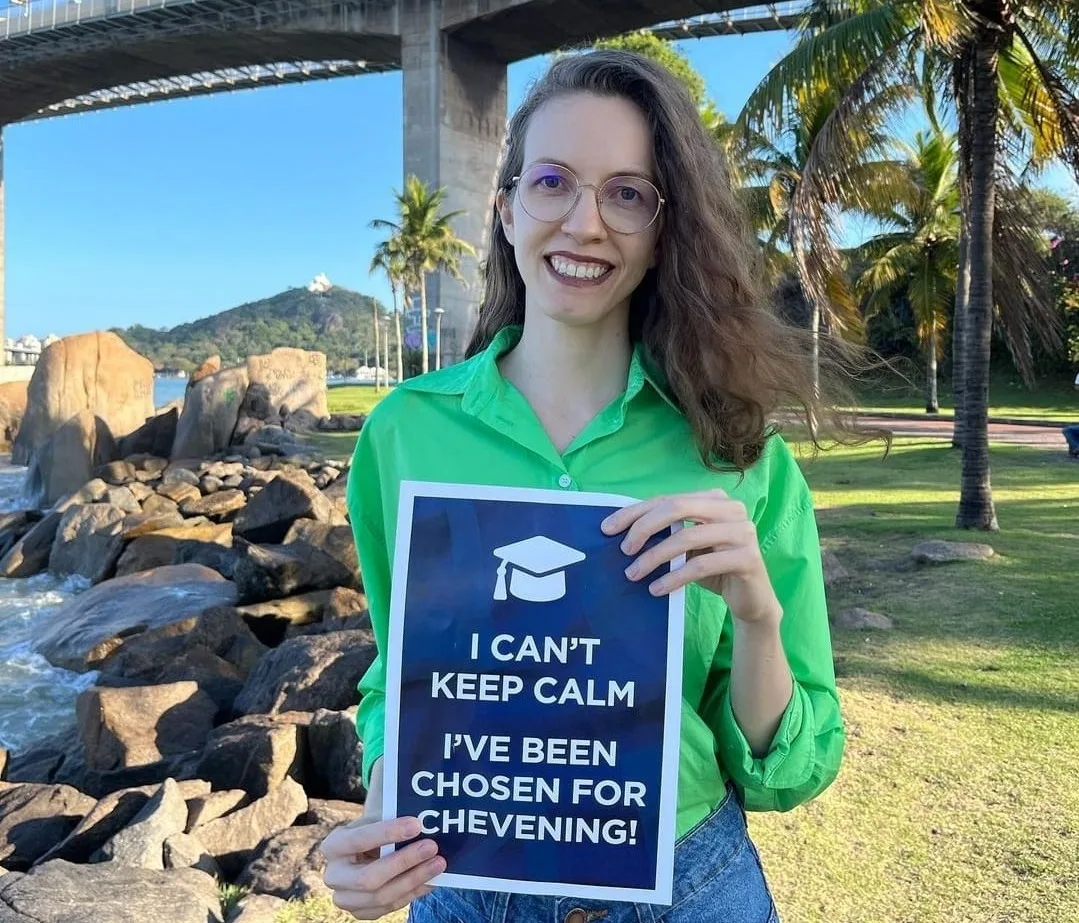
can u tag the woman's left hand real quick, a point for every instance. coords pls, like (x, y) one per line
(720, 544)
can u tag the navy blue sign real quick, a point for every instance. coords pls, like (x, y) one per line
(534, 695)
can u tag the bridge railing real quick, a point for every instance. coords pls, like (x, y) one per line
(752, 13)
(24, 16)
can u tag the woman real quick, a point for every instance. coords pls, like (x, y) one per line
(623, 346)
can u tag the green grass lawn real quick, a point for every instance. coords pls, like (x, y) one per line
(353, 398)
(958, 801)
(1053, 399)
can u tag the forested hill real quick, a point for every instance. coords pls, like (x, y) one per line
(337, 322)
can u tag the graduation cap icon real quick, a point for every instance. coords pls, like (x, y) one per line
(538, 569)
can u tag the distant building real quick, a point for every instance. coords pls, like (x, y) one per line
(320, 284)
(26, 350)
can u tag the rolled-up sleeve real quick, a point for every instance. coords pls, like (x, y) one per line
(807, 749)
(364, 501)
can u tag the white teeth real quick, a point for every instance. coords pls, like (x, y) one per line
(576, 270)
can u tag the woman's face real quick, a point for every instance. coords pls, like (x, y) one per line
(577, 270)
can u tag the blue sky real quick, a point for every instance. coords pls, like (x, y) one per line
(166, 212)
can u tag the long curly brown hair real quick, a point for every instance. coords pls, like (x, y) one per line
(701, 313)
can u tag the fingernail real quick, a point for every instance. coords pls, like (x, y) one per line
(606, 525)
(633, 570)
(411, 827)
(625, 546)
(428, 849)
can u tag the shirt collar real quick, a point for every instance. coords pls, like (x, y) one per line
(479, 380)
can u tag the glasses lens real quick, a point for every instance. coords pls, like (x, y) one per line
(547, 191)
(628, 204)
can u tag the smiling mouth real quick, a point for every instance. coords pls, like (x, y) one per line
(578, 272)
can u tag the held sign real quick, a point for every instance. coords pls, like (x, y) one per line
(533, 695)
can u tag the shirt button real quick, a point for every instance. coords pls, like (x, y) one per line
(565, 481)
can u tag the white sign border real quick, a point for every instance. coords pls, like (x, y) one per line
(662, 892)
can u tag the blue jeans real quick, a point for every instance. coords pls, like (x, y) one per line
(717, 879)
(1071, 435)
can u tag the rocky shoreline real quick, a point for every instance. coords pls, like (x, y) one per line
(227, 623)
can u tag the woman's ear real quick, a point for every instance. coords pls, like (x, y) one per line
(505, 213)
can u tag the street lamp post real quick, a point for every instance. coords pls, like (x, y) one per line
(438, 337)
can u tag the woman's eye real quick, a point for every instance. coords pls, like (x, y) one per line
(550, 182)
(627, 194)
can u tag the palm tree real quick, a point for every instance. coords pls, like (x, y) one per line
(917, 255)
(389, 257)
(1012, 66)
(795, 203)
(427, 243)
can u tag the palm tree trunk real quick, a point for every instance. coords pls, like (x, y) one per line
(975, 495)
(393, 295)
(374, 310)
(931, 403)
(959, 328)
(423, 321)
(397, 324)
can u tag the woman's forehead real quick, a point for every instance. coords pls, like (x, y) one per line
(591, 135)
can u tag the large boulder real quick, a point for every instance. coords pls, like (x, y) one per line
(336, 773)
(336, 541)
(113, 813)
(154, 437)
(66, 459)
(288, 864)
(273, 571)
(14, 525)
(255, 753)
(180, 544)
(232, 839)
(88, 541)
(148, 657)
(12, 409)
(34, 818)
(96, 373)
(127, 605)
(109, 892)
(138, 725)
(295, 379)
(308, 673)
(30, 554)
(211, 409)
(141, 843)
(269, 515)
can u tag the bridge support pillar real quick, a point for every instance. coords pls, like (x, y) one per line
(3, 280)
(454, 124)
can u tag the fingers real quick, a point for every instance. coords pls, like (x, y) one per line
(643, 520)
(351, 841)
(702, 567)
(686, 541)
(371, 889)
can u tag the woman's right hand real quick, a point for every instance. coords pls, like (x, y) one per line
(369, 886)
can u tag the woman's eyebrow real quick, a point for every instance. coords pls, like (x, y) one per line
(629, 171)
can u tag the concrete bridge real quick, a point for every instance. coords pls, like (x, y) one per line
(61, 56)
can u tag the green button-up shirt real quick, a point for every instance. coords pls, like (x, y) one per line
(467, 424)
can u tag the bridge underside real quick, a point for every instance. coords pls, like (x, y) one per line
(523, 29)
(81, 74)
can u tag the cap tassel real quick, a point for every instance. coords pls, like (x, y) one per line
(500, 586)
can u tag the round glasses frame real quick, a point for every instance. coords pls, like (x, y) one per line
(597, 190)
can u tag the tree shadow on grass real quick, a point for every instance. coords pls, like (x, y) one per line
(912, 681)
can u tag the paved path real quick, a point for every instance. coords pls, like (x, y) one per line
(1011, 433)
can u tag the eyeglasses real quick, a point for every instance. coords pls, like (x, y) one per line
(549, 192)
